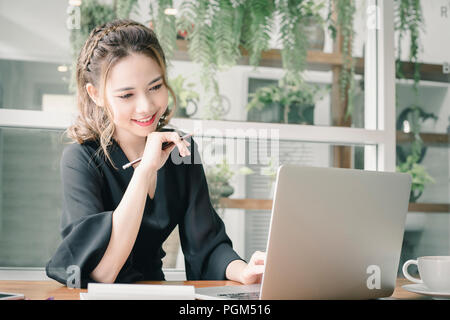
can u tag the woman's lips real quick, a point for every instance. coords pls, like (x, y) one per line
(145, 124)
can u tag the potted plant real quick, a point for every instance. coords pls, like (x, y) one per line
(270, 171)
(185, 97)
(218, 177)
(419, 176)
(412, 117)
(289, 101)
(410, 157)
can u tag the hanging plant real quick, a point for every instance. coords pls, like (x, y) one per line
(294, 17)
(409, 19)
(345, 15)
(213, 32)
(123, 8)
(256, 28)
(217, 31)
(164, 26)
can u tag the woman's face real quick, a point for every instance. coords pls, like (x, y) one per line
(135, 91)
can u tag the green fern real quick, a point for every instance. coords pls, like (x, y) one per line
(226, 28)
(345, 14)
(201, 46)
(123, 8)
(164, 27)
(294, 48)
(217, 29)
(187, 17)
(409, 19)
(197, 18)
(259, 15)
(293, 16)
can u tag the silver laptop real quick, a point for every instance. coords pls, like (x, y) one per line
(334, 234)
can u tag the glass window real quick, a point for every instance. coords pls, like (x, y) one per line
(252, 177)
(318, 100)
(261, 184)
(30, 197)
(32, 85)
(316, 113)
(423, 129)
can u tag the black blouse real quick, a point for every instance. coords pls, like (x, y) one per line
(92, 189)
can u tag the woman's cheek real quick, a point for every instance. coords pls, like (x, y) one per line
(121, 114)
(163, 97)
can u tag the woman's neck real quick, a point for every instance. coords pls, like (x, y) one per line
(133, 146)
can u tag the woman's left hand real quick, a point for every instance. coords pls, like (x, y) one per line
(254, 270)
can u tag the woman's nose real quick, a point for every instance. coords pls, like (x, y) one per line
(145, 105)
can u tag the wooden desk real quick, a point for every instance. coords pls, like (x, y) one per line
(41, 290)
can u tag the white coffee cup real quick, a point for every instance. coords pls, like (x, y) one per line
(434, 272)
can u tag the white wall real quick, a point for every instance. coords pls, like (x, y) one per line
(34, 30)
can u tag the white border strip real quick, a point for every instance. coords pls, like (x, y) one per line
(307, 133)
(35, 119)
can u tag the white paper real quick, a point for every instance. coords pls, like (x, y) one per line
(119, 291)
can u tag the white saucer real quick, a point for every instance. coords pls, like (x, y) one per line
(422, 289)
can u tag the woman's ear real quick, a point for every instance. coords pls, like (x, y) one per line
(93, 93)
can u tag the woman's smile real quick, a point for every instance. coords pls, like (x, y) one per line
(145, 122)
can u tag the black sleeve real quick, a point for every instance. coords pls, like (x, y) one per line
(206, 247)
(85, 226)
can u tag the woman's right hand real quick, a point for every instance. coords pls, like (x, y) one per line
(154, 157)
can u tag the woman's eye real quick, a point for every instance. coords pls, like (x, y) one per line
(126, 96)
(156, 87)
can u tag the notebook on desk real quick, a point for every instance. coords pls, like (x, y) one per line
(121, 291)
(334, 234)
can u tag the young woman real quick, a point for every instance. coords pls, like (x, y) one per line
(114, 221)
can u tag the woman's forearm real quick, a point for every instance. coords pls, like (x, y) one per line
(126, 221)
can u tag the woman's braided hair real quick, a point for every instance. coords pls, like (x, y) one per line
(105, 46)
(97, 34)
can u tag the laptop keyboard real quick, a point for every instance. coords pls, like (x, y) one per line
(240, 292)
(241, 295)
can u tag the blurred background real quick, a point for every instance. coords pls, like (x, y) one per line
(310, 72)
